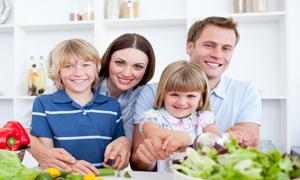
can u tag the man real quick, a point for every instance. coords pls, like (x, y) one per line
(210, 44)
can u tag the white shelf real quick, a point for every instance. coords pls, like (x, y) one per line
(249, 17)
(6, 98)
(144, 22)
(273, 97)
(6, 28)
(73, 25)
(258, 17)
(26, 97)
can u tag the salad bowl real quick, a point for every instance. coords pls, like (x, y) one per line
(180, 176)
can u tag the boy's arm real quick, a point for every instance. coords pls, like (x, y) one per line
(119, 149)
(47, 156)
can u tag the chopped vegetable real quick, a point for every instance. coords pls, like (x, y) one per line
(127, 175)
(106, 171)
(54, 172)
(63, 173)
(118, 173)
(44, 176)
(89, 177)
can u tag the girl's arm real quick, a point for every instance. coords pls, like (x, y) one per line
(173, 140)
(211, 128)
(150, 129)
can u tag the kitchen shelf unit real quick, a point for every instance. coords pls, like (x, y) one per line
(262, 56)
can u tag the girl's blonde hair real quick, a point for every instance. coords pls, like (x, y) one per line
(76, 48)
(183, 76)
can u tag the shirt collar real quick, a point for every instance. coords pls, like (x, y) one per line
(220, 89)
(60, 96)
(173, 120)
(103, 87)
(104, 90)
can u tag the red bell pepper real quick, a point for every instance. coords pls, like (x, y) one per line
(13, 136)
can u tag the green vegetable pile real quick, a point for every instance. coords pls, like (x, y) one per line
(11, 167)
(234, 162)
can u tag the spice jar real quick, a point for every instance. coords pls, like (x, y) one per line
(130, 9)
(239, 6)
(259, 5)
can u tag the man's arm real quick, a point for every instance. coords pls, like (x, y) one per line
(247, 133)
(246, 127)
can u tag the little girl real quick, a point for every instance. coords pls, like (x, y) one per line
(181, 109)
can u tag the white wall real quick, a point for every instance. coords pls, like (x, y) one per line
(293, 78)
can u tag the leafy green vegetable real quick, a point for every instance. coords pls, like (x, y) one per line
(12, 169)
(238, 163)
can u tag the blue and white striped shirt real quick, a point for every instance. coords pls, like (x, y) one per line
(82, 131)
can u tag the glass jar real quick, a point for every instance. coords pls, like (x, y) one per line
(239, 6)
(113, 9)
(32, 78)
(259, 5)
(266, 145)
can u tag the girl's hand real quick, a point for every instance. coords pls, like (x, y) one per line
(176, 141)
(84, 167)
(119, 150)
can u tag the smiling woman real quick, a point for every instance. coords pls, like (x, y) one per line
(127, 64)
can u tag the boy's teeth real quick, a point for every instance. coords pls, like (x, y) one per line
(212, 64)
(79, 81)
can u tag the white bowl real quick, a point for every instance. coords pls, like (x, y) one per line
(180, 176)
(21, 153)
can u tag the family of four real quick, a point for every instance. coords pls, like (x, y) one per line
(103, 112)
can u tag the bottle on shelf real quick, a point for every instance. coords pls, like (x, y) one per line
(259, 5)
(239, 6)
(113, 9)
(41, 76)
(130, 9)
(32, 78)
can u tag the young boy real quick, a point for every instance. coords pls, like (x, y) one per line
(76, 117)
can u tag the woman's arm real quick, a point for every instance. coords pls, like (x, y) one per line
(47, 156)
(150, 129)
(145, 152)
(211, 128)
